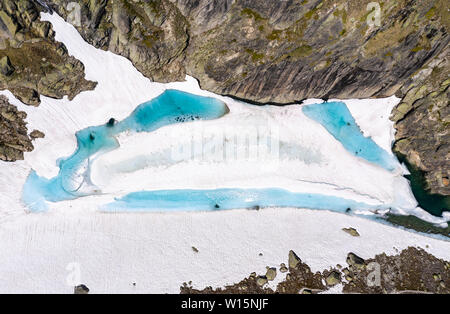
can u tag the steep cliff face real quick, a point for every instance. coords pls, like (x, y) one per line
(270, 51)
(152, 34)
(423, 123)
(32, 63)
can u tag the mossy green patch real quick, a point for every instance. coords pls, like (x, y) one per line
(254, 55)
(301, 52)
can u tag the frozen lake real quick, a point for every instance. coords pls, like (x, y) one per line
(249, 161)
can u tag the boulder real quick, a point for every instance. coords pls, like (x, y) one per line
(333, 278)
(261, 280)
(294, 260)
(283, 268)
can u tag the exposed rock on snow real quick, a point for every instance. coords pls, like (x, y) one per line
(261, 281)
(283, 268)
(355, 261)
(351, 231)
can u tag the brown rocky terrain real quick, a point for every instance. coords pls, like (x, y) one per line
(413, 270)
(283, 52)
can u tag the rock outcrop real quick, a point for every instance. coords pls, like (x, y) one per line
(152, 34)
(32, 63)
(423, 123)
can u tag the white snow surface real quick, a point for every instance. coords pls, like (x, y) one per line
(43, 252)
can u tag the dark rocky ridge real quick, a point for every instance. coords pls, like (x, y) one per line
(14, 140)
(32, 63)
(283, 52)
(413, 270)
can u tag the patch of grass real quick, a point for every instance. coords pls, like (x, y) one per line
(274, 35)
